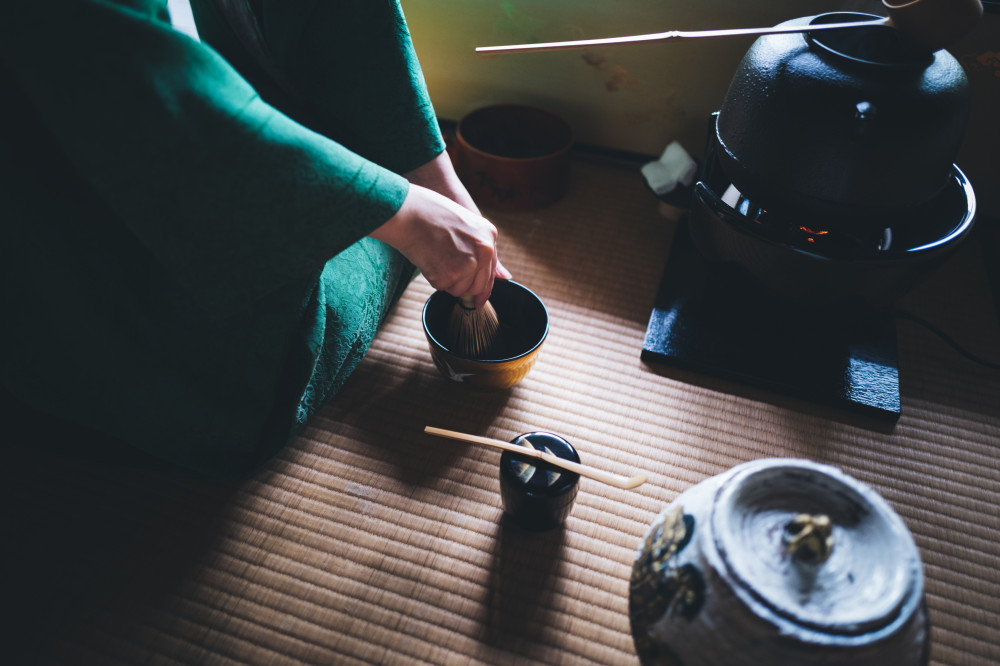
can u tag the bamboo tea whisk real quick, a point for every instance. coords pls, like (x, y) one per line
(473, 331)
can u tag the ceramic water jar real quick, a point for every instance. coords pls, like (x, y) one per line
(779, 561)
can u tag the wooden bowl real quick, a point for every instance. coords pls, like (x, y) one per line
(513, 157)
(524, 325)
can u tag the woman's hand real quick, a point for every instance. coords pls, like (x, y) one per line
(452, 246)
(439, 229)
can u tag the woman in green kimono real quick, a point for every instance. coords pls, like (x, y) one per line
(200, 240)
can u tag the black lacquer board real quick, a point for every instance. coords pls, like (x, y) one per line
(714, 319)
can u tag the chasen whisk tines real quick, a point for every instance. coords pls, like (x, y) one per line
(473, 331)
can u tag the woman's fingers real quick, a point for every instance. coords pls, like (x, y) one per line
(482, 285)
(454, 247)
(502, 272)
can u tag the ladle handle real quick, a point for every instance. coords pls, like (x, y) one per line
(488, 51)
(568, 465)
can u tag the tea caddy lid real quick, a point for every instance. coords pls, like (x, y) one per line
(536, 494)
(814, 552)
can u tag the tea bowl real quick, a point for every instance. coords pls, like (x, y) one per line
(524, 325)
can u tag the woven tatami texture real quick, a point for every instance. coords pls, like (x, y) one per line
(367, 541)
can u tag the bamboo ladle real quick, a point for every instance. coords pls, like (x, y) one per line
(931, 24)
(625, 483)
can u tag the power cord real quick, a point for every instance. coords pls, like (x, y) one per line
(909, 316)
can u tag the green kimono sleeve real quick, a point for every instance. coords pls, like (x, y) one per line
(246, 199)
(352, 70)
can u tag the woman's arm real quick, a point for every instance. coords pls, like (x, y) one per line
(439, 175)
(354, 76)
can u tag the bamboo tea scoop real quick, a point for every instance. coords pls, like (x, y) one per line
(528, 452)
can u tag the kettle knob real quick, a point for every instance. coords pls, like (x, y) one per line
(865, 115)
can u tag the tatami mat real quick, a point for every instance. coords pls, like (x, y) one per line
(367, 541)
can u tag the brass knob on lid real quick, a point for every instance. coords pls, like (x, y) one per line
(809, 538)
